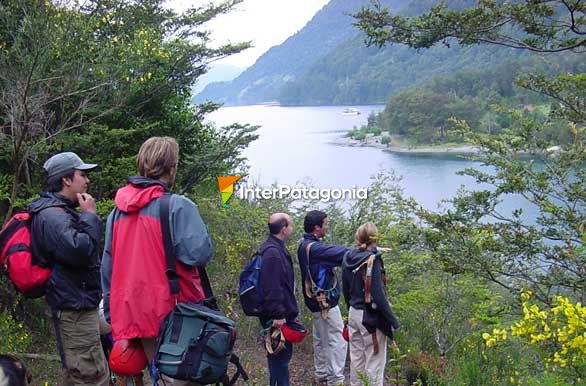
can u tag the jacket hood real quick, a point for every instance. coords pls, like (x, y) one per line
(355, 257)
(139, 192)
(47, 200)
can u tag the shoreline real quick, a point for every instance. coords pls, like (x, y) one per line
(439, 149)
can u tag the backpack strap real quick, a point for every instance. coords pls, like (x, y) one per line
(171, 271)
(367, 275)
(240, 372)
(205, 282)
(168, 244)
(309, 284)
(368, 279)
(313, 291)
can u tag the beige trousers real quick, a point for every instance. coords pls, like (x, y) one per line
(362, 357)
(80, 348)
(329, 347)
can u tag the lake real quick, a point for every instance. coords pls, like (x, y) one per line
(297, 144)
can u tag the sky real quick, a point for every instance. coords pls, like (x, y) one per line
(266, 23)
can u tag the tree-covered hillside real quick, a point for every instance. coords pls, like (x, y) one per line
(355, 74)
(424, 114)
(329, 28)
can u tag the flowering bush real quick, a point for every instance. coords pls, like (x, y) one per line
(14, 336)
(559, 332)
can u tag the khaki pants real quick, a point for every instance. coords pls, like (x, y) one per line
(362, 357)
(329, 347)
(80, 348)
(150, 346)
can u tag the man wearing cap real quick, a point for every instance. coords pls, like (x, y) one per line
(68, 240)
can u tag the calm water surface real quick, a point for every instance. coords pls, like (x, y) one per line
(297, 144)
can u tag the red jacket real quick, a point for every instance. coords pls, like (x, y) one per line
(135, 286)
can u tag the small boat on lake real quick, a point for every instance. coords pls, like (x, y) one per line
(350, 111)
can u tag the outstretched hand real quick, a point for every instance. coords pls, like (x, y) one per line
(384, 250)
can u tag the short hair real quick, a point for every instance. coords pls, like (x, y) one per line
(157, 157)
(54, 184)
(313, 218)
(366, 235)
(275, 227)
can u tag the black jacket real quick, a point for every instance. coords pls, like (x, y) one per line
(323, 259)
(277, 280)
(69, 242)
(353, 285)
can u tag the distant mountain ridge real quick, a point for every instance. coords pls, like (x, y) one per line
(219, 72)
(263, 81)
(327, 63)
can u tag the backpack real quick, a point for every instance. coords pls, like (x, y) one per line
(196, 340)
(249, 291)
(321, 295)
(371, 317)
(17, 259)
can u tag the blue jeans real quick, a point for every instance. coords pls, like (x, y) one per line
(279, 366)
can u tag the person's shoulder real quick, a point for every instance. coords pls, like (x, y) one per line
(269, 247)
(178, 200)
(52, 212)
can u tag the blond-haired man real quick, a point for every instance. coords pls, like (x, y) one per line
(137, 295)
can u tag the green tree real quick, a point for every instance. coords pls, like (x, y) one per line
(100, 77)
(539, 26)
(547, 253)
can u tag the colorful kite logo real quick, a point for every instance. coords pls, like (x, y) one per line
(226, 185)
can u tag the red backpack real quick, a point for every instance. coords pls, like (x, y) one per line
(17, 259)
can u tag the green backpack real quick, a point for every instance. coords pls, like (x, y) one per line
(196, 340)
(196, 344)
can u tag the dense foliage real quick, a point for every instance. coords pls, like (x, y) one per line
(98, 79)
(424, 114)
(480, 292)
(544, 256)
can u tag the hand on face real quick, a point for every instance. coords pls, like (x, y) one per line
(86, 202)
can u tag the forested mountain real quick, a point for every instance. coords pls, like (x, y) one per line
(356, 74)
(262, 82)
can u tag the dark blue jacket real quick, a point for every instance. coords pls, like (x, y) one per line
(277, 280)
(322, 260)
(69, 241)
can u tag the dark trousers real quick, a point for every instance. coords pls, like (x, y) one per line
(279, 366)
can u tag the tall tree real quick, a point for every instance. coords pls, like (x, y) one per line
(546, 253)
(98, 78)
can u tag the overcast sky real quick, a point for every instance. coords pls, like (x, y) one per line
(264, 22)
